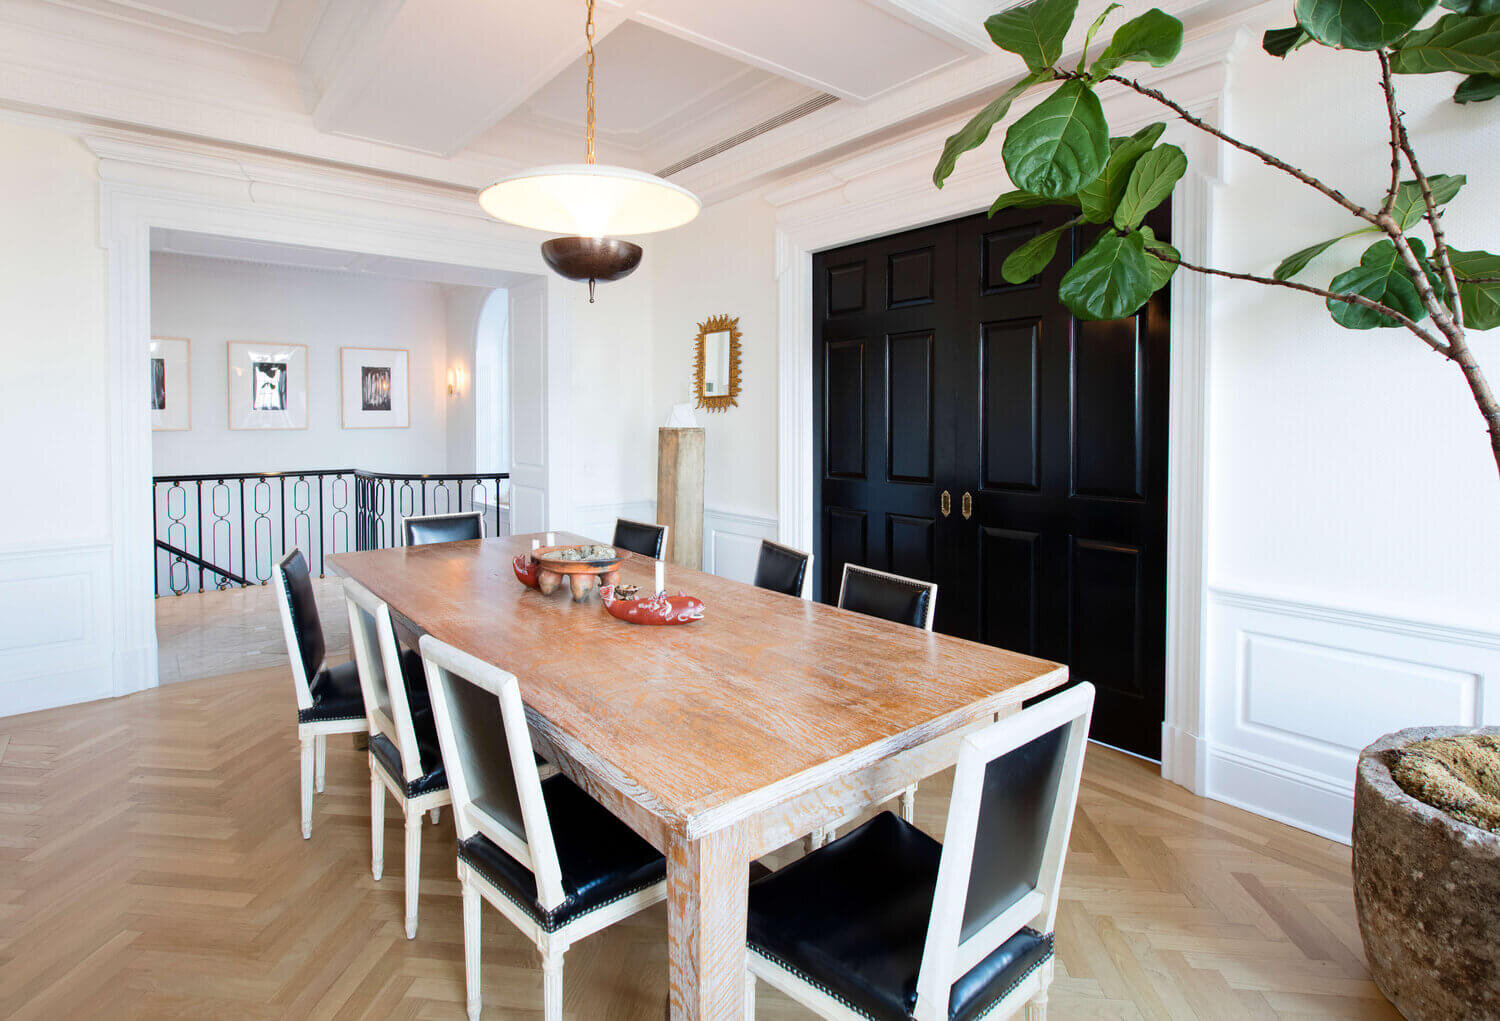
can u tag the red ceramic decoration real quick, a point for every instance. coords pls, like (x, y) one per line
(678, 609)
(525, 569)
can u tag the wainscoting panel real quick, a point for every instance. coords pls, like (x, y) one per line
(1295, 690)
(55, 628)
(731, 542)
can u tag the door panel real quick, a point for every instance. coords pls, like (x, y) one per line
(952, 379)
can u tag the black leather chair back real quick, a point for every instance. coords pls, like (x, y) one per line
(1015, 817)
(421, 530)
(640, 537)
(307, 628)
(479, 771)
(780, 568)
(888, 596)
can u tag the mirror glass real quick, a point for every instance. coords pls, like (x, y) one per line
(716, 364)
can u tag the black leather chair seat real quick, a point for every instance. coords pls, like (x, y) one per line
(386, 752)
(602, 859)
(335, 695)
(851, 918)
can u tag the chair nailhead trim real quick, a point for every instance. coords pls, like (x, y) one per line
(407, 786)
(548, 919)
(304, 717)
(810, 980)
(1048, 939)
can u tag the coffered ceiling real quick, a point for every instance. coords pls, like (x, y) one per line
(501, 82)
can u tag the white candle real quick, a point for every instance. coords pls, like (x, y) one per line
(661, 577)
(536, 544)
(551, 539)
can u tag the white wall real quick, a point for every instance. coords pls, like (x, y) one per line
(461, 308)
(214, 301)
(55, 618)
(1354, 500)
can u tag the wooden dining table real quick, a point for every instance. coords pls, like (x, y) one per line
(719, 740)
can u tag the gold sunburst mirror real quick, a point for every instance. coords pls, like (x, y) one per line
(716, 365)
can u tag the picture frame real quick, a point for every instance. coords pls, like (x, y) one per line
(375, 387)
(171, 380)
(267, 385)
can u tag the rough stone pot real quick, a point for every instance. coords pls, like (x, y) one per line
(1427, 892)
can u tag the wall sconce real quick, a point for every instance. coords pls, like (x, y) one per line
(456, 378)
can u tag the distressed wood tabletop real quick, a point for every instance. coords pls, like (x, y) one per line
(717, 740)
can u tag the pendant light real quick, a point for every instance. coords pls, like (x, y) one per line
(587, 203)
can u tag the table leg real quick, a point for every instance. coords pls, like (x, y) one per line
(707, 886)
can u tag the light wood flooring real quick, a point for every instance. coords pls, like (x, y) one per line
(151, 866)
(207, 634)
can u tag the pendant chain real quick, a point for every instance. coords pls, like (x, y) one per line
(588, 32)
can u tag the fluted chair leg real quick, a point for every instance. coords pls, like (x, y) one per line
(749, 995)
(552, 987)
(307, 786)
(320, 748)
(377, 824)
(413, 869)
(472, 949)
(909, 804)
(1036, 1007)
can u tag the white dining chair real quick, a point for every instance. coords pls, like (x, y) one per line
(887, 923)
(328, 697)
(545, 855)
(404, 756)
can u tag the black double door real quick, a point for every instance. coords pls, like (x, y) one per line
(973, 433)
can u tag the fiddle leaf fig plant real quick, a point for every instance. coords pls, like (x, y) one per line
(1061, 153)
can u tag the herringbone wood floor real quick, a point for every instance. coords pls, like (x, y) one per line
(151, 866)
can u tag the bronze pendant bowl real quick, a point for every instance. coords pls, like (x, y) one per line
(591, 259)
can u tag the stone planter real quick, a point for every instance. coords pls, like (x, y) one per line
(1427, 892)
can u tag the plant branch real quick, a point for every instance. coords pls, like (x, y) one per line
(1455, 315)
(1394, 116)
(1260, 154)
(1353, 299)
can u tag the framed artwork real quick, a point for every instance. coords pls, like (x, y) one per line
(267, 385)
(171, 384)
(375, 388)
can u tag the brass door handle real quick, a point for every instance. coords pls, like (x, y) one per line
(945, 503)
(968, 506)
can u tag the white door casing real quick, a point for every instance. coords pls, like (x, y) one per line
(185, 186)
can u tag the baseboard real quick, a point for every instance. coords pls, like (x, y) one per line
(1308, 801)
(1294, 688)
(1184, 758)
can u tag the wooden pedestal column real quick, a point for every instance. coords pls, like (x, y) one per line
(679, 493)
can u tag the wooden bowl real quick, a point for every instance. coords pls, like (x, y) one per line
(582, 575)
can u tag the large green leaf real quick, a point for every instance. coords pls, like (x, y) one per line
(1026, 200)
(1031, 257)
(1101, 195)
(1380, 276)
(1410, 207)
(1477, 88)
(1033, 31)
(1472, 6)
(1151, 180)
(1481, 300)
(1109, 281)
(1154, 38)
(1060, 145)
(973, 134)
(1360, 24)
(1278, 42)
(1161, 268)
(1455, 43)
(1088, 40)
(1299, 260)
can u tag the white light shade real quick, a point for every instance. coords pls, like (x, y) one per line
(589, 200)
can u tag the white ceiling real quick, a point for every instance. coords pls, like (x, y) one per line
(213, 246)
(503, 79)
